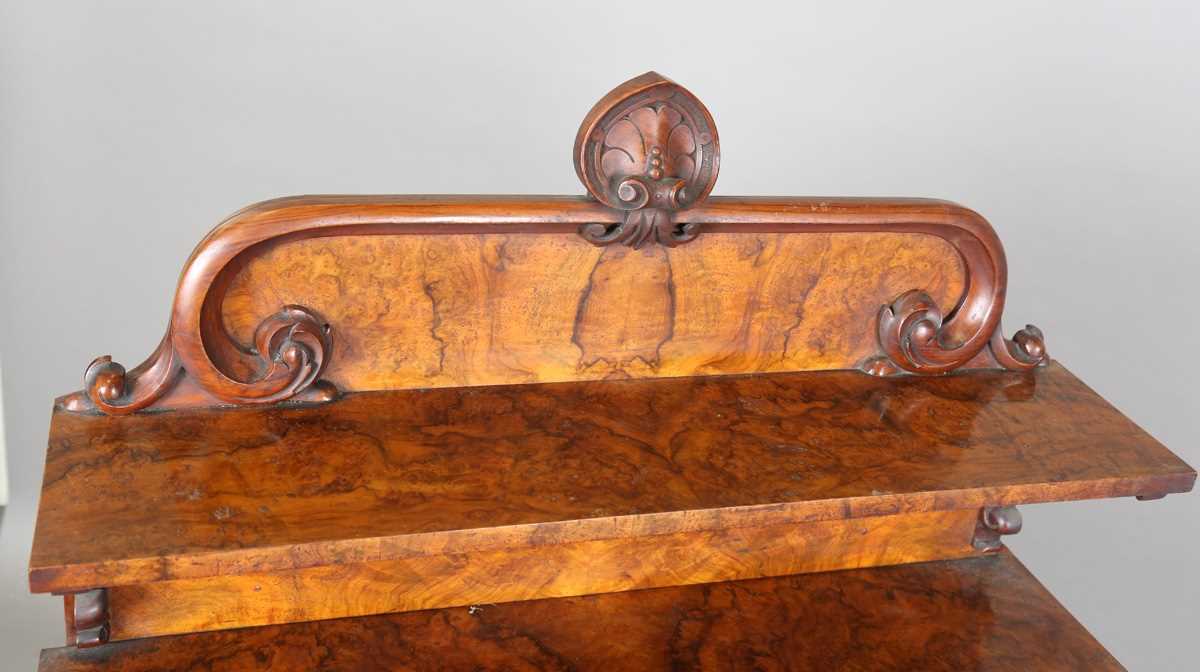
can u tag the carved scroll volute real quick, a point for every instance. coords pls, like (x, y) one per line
(290, 350)
(648, 148)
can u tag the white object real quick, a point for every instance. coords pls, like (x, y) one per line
(3, 456)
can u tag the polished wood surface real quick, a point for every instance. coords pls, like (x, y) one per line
(985, 614)
(379, 476)
(536, 571)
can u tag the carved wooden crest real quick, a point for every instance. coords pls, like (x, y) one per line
(648, 155)
(649, 148)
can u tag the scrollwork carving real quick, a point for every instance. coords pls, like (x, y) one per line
(109, 388)
(910, 334)
(640, 227)
(1026, 349)
(913, 338)
(290, 349)
(292, 346)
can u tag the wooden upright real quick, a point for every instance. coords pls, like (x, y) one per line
(644, 428)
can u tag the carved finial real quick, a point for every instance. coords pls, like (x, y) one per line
(649, 148)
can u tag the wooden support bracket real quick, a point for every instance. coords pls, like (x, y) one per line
(89, 618)
(995, 522)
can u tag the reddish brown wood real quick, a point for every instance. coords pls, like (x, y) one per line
(386, 475)
(641, 195)
(986, 614)
(433, 311)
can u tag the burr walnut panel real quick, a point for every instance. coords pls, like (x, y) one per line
(451, 310)
(982, 614)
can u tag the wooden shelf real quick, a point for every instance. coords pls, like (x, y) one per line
(404, 500)
(984, 614)
(213, 492)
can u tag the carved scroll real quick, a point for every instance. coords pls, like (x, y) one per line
(648, 154)
(915, 338)
(289, 353)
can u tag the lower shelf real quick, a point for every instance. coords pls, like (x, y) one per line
(984, 613)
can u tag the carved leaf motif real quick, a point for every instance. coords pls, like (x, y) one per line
(623, 150)
(681, 150)
(630, 143)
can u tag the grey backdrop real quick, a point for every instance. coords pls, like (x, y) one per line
(127, 130)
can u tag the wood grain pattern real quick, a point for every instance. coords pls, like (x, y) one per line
(538, 571)
(982, 614)
(435, 311)
(379, 476)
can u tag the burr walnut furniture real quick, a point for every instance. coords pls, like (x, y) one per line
(514, 412)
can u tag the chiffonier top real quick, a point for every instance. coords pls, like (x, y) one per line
(366, 405)
(383, 475)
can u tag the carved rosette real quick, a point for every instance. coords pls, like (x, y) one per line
(650, 149)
